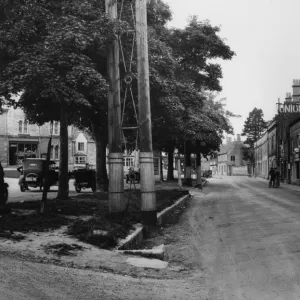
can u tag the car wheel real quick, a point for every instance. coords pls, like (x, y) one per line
(22, 187)
(5, 195)
(77, 188)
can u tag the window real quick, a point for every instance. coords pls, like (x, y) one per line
(20, 127)
(51, 152)
(232, 158)
(23, 127)
(128, 162)
(80, 159)
(55, 127)
(80, 146)
(56, 152)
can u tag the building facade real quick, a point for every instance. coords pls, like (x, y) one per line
(230, 158)
(19, 139)
(283, 140)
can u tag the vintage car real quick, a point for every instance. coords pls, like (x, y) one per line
(84, 178)
(33, 173)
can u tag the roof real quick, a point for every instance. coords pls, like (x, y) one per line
(224, 149)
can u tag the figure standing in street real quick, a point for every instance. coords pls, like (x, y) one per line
(272, 177)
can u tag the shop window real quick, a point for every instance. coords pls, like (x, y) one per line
(80, 159)
(81, 146)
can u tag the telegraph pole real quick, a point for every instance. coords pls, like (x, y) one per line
(115, 158)
(148, 196)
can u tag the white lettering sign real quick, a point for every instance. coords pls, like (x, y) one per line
(290, 108)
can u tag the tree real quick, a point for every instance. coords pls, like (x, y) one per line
(48, 49)
(254, 126)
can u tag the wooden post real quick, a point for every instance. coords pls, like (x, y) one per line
(115, 158)
(148, 196)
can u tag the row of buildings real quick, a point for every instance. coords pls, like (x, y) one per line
(280, 144)
(19, 139)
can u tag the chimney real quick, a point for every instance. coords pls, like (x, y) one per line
(288, 97)
(228, 140)
(296, 90)
(238, 137)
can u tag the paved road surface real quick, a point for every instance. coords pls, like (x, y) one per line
(239, 239)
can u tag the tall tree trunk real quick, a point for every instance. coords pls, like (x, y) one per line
(100, 137)
(63, 184)
(46, 175)
(188, 166)
(170, 174)
(161, 167)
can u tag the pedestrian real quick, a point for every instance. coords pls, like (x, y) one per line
(272, 177)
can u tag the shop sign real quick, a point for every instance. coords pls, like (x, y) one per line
(290, 108)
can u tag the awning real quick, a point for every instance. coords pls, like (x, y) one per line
(16, 139)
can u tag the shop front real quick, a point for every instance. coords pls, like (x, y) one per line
(20, 149)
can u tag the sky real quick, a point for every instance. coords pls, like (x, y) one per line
(264, 34)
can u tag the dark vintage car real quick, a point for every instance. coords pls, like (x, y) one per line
(133, 175)
(33, 173)
(84, 178)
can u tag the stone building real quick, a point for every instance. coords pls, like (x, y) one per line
(230, 158)
(283, 140)
(19, 139)
(261, 157)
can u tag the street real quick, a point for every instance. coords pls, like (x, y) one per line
(238, 239)
(16, 195)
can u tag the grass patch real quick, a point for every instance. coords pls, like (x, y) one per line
(63, 249)
(31, 222)
(99, 229)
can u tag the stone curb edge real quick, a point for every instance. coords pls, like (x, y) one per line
(136, 237)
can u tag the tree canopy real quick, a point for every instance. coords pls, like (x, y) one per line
(54, 54)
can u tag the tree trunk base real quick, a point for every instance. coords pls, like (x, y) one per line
(188, 182)
(149, 218)
(5, 210)
(117, 216)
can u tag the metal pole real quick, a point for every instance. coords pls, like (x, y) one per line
(115, 157)
(148, 196)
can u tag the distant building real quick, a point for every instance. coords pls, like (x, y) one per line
(230, 158)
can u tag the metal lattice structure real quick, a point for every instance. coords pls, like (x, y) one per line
(127, 80)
